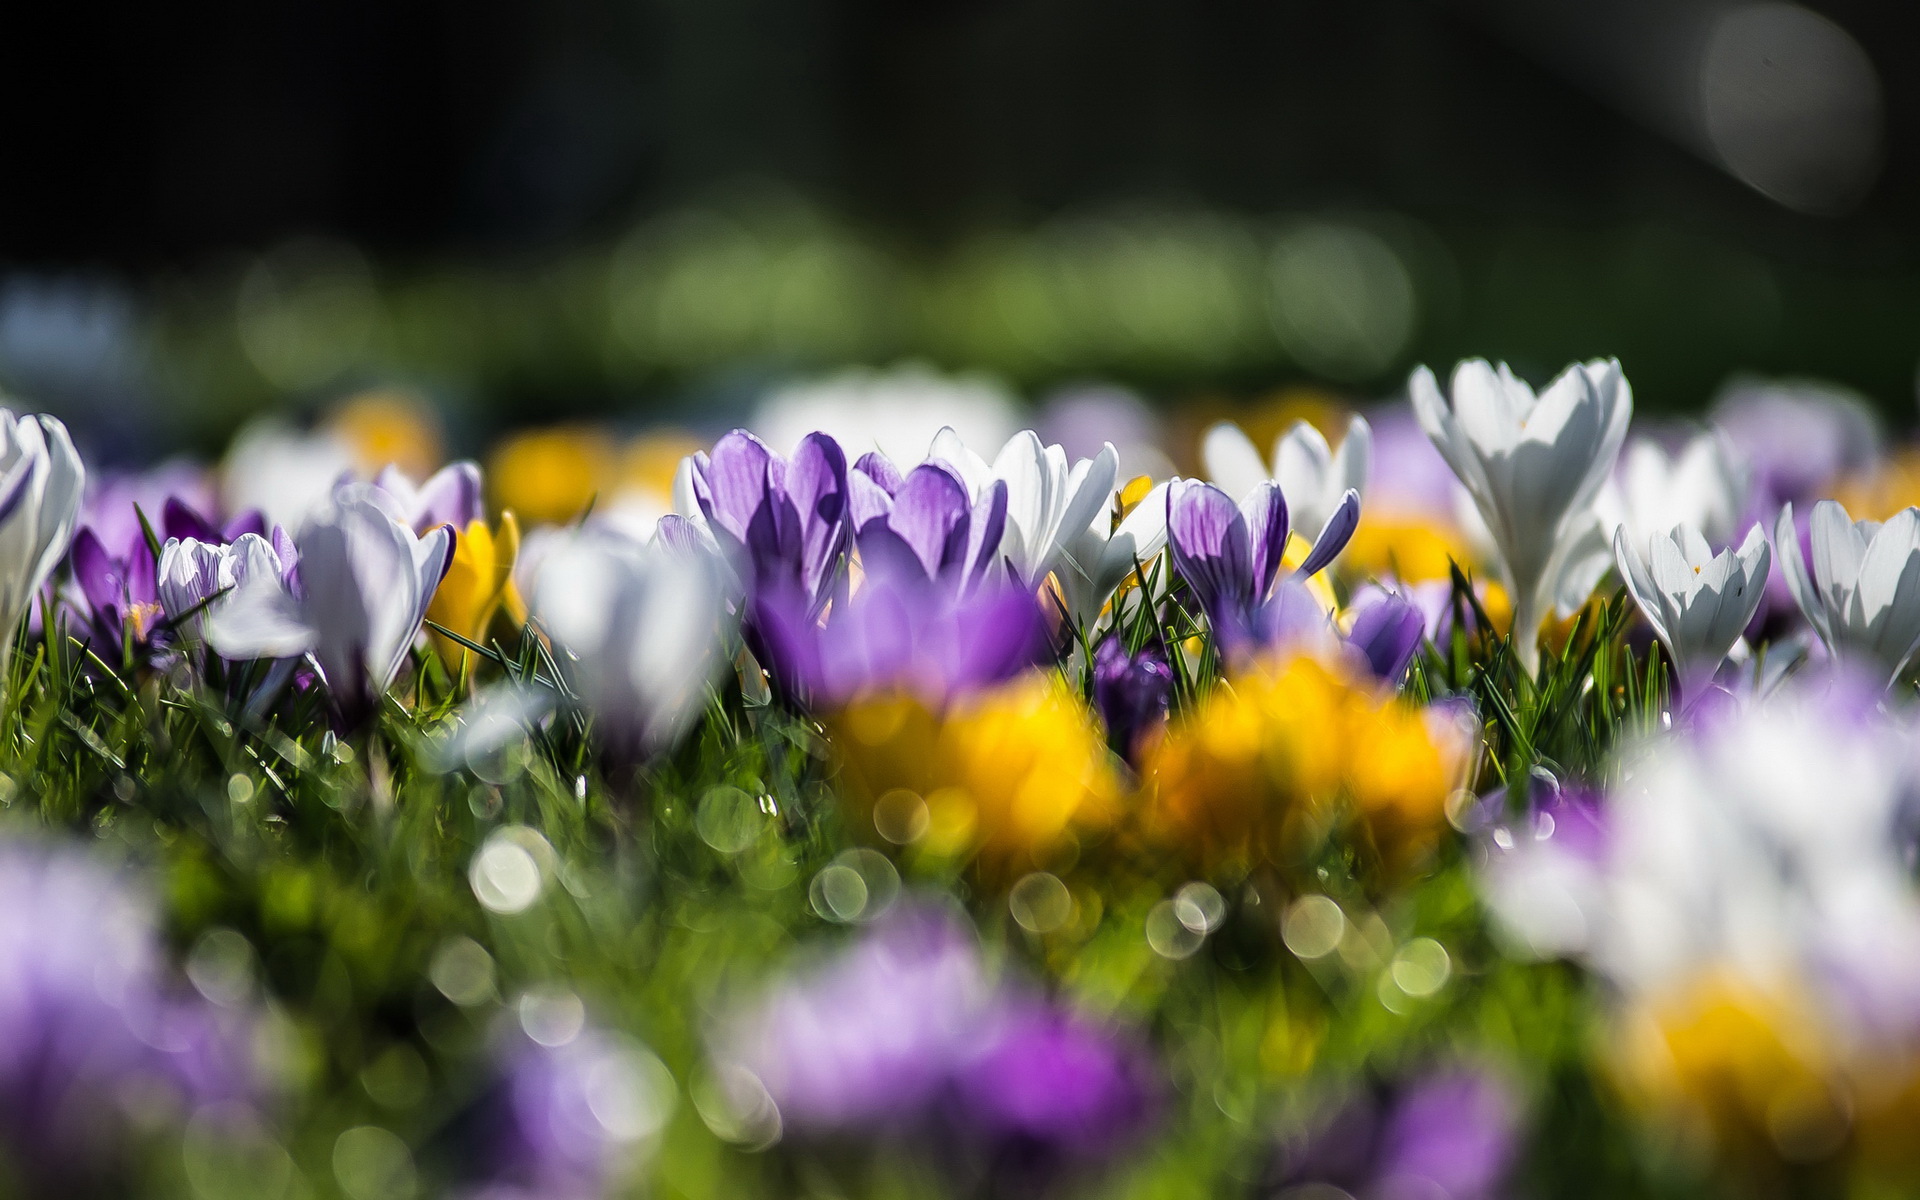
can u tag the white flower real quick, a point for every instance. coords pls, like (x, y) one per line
(896, 412)
(1702, 488)
(192, 574)
(646, 626)
(1048, 501)
(283, 473)
(1533, 467)
(1697, 602)
(1314, 478)
(365, 581)
(41, 481)
(1098, 559)
(1863, 598)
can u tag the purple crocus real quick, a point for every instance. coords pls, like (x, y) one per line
(924, 524)
(1453, 1132)
(786, 519)
(115, 574)
(1388, 629)
(1051, 1090)
(90, 1023)
(1131, 691)
(563, 1121)
(905, 1035)
(903, 632)
(1231, 554)
(450, 496)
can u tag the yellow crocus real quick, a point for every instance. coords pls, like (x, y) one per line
(1288, 750)
(549, 476)
(1012, 773)
(476, 584)
(1742, 1066)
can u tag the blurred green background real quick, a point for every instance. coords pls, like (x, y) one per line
(634, 208)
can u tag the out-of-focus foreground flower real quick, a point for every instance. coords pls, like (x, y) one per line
(94, 1039)
(907, 1036)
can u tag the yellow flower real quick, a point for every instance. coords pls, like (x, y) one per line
(476, 584)
(389, 425)
(1742, 1067)
(1894, 485)
(550, 476)
(1011, 773)
(1388, 545)
(1289, 751)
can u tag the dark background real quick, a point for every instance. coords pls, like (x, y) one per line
(139, 140)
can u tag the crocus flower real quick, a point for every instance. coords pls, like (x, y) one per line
(1231, 554)
(1008, 772)
(1050, 1092)
(645, 629)
(567, 1117)
(1132, 692)
(899, 632)
(477, 584)
(1297, 736)
(787, 520)
(866, 1040)
(193, 573)
(355, 604)
(117, 588)
(1797, 438)
(450, 496)
(1099, 558)
(905, 1035)
(1533, 466)
(1454, 1132)
(283, 473)
(1703, 487)
(1387, 629)
(925, 524)
(1698, 602)
(41, 483)
(1314, 477)
(116, 499)
(1049, 501)
(91, 1021)
(1863, 596)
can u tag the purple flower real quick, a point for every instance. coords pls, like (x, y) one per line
(1132, 692)
(1051, 1089)
(924, 525)
(113, 497)
(116, 582)
(905, 1035)
(1452, 1133)
(356, 603)
(787, 519)
(866, 1040)
(1230, 554)
(451, 496)
(565, 1120)
(1796, 438)
(88, 1022)
(897, 631)
(1388, 629)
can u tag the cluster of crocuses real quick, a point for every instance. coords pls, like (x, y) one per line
(1015, 657)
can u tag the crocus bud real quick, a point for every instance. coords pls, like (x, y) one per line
(1131, 691)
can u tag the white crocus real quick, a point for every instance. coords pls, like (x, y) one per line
(1049, 501)
(1313, 476)
(282, 472)
(1863, 597)
(365, 583)
(41, 481)
(645, 626)
(1702, 487)
(1533, 466)
(1698, 602)
(193, 575)
(1099, 558)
